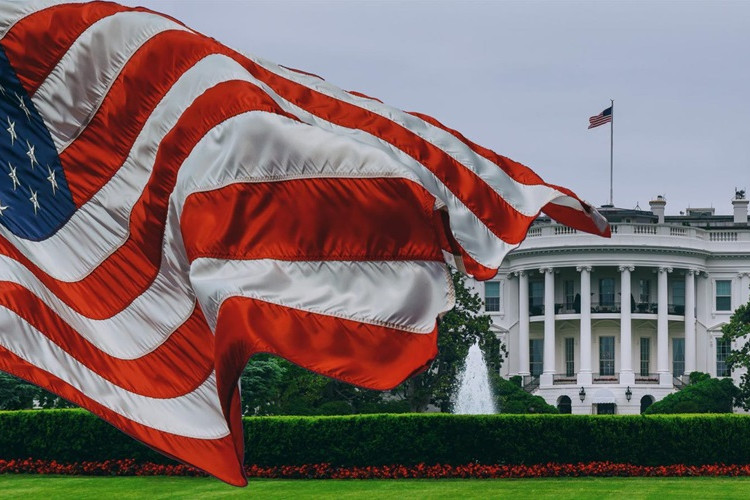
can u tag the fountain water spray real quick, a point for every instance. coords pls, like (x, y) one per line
(474, 396)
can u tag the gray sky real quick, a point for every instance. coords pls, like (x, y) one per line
(523, 77)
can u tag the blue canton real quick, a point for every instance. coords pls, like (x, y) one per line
(34, 197)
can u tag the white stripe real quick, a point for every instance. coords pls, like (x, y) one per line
(11, 12)
(524, 198)
(73, 91)
(405, 295)
(196, 414)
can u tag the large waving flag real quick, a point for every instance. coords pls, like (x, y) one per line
(168, 207)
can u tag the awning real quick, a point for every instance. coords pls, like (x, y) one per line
(603, 396)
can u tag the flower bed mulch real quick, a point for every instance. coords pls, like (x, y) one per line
(420, 471)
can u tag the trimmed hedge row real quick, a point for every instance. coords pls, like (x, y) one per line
(409, 439)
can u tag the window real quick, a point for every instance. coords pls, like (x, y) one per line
(564, 405)
(678, 357)
(678, 298)
(722, 351)
(606, 355)
(645, 355)
(569, 288)
(536, 298)
(536, 351)
(607, 292)
(570, 367)
(492, 296)
(645, 291)
(723, 295)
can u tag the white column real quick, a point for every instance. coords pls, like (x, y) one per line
(690, 321)
(662, 331)
(744, 288)
(549, 327)
(584, 373)
(627, 377)
(523, 323)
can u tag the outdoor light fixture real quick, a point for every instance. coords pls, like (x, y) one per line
(628, 393)
(582, 394)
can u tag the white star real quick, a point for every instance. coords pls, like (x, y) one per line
(22, 104)
(13, 176)
(12, 131)
(52, 179)
(3, 208)
(34, 201)
(32, 156)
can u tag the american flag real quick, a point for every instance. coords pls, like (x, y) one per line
(602, 118)
(169, 207)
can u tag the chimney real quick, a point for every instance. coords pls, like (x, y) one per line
(740, 207)
(657, 207)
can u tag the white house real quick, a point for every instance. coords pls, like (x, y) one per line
(596, 325)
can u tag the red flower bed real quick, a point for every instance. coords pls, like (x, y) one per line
(421, 471)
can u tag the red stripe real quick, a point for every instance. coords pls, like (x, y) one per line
(94, 157)
(37, 42)
(216, 456)
(502, 219)
(365, 355)
(312, 219)
(161, 373)
(129, 271)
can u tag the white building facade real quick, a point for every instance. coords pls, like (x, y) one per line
(596, 325)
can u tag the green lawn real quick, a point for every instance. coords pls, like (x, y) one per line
(153, 488)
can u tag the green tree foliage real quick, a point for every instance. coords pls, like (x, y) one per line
(711, 395)
(15, 394)
(458, 330)
(736, 332)
(511, 398)
(260, 384)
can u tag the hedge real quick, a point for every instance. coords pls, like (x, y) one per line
(409, 439)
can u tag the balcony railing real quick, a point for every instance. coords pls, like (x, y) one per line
(604, 307)
(599, 378)
(564, 379)
(607, 306)
(649, 378)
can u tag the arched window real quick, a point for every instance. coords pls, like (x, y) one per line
(563, 405)
(646, 401)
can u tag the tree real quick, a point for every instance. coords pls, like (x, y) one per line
(15, 394)
(458, 329)
(260, 384)
(736, 332)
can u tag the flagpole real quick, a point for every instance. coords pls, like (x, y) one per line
(611, 149)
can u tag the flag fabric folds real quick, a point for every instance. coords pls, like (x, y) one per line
(169, 207)
(602, 118)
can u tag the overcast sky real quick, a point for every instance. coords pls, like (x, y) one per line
(523, 77)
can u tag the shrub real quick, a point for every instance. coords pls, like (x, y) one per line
(511, 398)
(711, 395)
(71, 436)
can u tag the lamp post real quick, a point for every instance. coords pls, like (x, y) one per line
(628, 393)
(582, 394)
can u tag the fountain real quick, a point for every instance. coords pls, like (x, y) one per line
(474, 396)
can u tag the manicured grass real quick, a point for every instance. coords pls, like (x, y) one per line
(153, 488)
